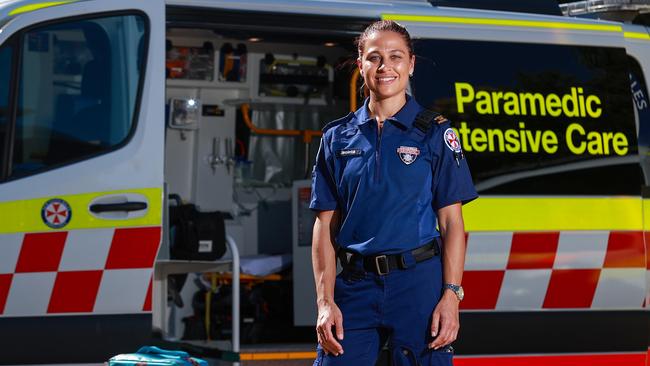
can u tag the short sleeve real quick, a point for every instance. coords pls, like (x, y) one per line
(323, 188)
(452, 181)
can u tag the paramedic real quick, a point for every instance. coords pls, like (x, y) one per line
(384, 177)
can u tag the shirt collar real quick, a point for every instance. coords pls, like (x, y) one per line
(405, 116)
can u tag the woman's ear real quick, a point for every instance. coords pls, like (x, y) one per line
(359, 66)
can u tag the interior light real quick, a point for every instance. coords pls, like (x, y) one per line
(254, 39)
(330, 44)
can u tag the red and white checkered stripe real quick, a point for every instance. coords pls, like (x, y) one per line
(555, 270)
(98, 271)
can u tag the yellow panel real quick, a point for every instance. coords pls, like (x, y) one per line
(25, 216)
(553, 214)
(503, 22)
(32, 7)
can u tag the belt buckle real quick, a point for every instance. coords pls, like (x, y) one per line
(382, 269)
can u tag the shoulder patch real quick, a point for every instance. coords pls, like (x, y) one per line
(451, 140)
(440, 119)
(339, 121)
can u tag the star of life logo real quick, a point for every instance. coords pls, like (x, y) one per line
(408, 154)
(451, 140)
(56, 213)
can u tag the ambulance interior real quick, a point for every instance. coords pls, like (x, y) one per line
(246, 100)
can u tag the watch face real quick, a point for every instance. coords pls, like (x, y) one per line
(460, 293)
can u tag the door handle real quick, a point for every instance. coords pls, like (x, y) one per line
(123, 207)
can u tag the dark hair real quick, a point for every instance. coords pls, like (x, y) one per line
(384, 26)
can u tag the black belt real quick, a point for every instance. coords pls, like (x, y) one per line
(384, 263)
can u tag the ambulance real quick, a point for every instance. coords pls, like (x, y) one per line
(109, 106)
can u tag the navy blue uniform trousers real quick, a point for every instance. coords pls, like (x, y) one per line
(396, 307)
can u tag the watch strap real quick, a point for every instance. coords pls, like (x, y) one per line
(457, 289)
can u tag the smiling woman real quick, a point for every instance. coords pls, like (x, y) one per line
(386, 59)
(379, 190)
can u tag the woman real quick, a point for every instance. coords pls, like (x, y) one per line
(384, 176)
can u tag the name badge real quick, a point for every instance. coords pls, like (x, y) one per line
(348, 152)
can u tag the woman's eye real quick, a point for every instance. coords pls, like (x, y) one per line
(373, 58)
(395, 57)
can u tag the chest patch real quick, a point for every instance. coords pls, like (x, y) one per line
(452, 141)
(408, 154)
(348, 152)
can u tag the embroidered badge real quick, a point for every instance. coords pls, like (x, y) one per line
(452, 141)
(348, 152)
(408, 154)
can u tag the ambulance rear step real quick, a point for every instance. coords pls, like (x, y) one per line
(262, 354)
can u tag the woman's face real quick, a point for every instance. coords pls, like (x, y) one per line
(386, 64)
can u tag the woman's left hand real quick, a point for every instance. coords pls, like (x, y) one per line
(445, 323)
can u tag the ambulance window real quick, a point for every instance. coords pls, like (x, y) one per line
(642, 113)
(625, 179)
(77, 92)
(5, 79)
(535, 118)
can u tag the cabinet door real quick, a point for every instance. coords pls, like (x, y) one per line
(81, 142)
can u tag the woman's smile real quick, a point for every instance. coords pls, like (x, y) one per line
(386, 79)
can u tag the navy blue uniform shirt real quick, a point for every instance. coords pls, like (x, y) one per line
(388, 184)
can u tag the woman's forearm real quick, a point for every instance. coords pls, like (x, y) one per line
(324, 255)
(452, 230)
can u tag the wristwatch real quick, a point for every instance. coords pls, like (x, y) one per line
(457, 289)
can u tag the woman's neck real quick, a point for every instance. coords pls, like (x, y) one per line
(385, 108)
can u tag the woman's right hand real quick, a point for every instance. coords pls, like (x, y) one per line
(329, 315)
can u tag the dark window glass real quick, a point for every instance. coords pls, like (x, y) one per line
(642, 114)
(621, 179)
(77, 90)
(535, 118)
(5, 85)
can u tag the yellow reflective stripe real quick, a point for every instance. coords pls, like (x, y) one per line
(646, 215)
(25, 215)
(636, 35)
(553, 214)
(502, 22)
(32, 7)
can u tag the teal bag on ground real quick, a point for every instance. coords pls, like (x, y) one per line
(154, 356)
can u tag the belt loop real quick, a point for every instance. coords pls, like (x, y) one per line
(402, 262)
(406, 260)
(343, 257)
